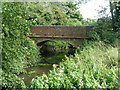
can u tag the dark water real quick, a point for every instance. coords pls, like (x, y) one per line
(56, 57)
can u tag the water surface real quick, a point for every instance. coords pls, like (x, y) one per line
(32, 72)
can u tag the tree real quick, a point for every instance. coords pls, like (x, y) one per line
(46, 13)
(106, 27)
(115, 12)
(54, 13)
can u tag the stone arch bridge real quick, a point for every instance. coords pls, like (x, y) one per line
(73, 35)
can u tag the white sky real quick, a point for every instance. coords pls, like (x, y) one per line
(89, 9)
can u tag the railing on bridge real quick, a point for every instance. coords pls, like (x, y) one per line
(59, 31)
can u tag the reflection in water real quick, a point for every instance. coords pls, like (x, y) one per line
(56, 57)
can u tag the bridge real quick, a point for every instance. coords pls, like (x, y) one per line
(73, 35)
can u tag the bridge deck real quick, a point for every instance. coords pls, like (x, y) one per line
(79, 32)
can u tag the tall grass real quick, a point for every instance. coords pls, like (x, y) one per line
(93, 66)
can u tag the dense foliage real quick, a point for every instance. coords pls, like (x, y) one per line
(107, 28)
(95, 66)
(104, 31)
(115, 12)
(55, 13)
(0, 61)
(18, 50)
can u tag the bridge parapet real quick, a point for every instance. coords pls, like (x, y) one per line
(71, 34)
(61, 31)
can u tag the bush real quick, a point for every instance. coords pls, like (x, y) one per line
(18, 50)
(94, 67)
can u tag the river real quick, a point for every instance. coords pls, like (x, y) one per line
(48, 59)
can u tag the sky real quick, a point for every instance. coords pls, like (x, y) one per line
(89, 9)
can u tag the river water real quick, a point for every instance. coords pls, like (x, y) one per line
(49, 59)
(32, 72)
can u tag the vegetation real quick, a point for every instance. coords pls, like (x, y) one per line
(115, 12)
(18, 50)
(54, 51)
(0, 76)
(104, 31)
(55, 46)
(106, 28)
(0, 61)
(55, 58)
(55, 13)
(95, 66)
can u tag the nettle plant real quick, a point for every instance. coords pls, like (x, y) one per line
(18, 50)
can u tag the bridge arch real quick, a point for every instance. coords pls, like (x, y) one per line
(74, 42)
(44, 41)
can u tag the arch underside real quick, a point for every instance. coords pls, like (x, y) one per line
(73, 42)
